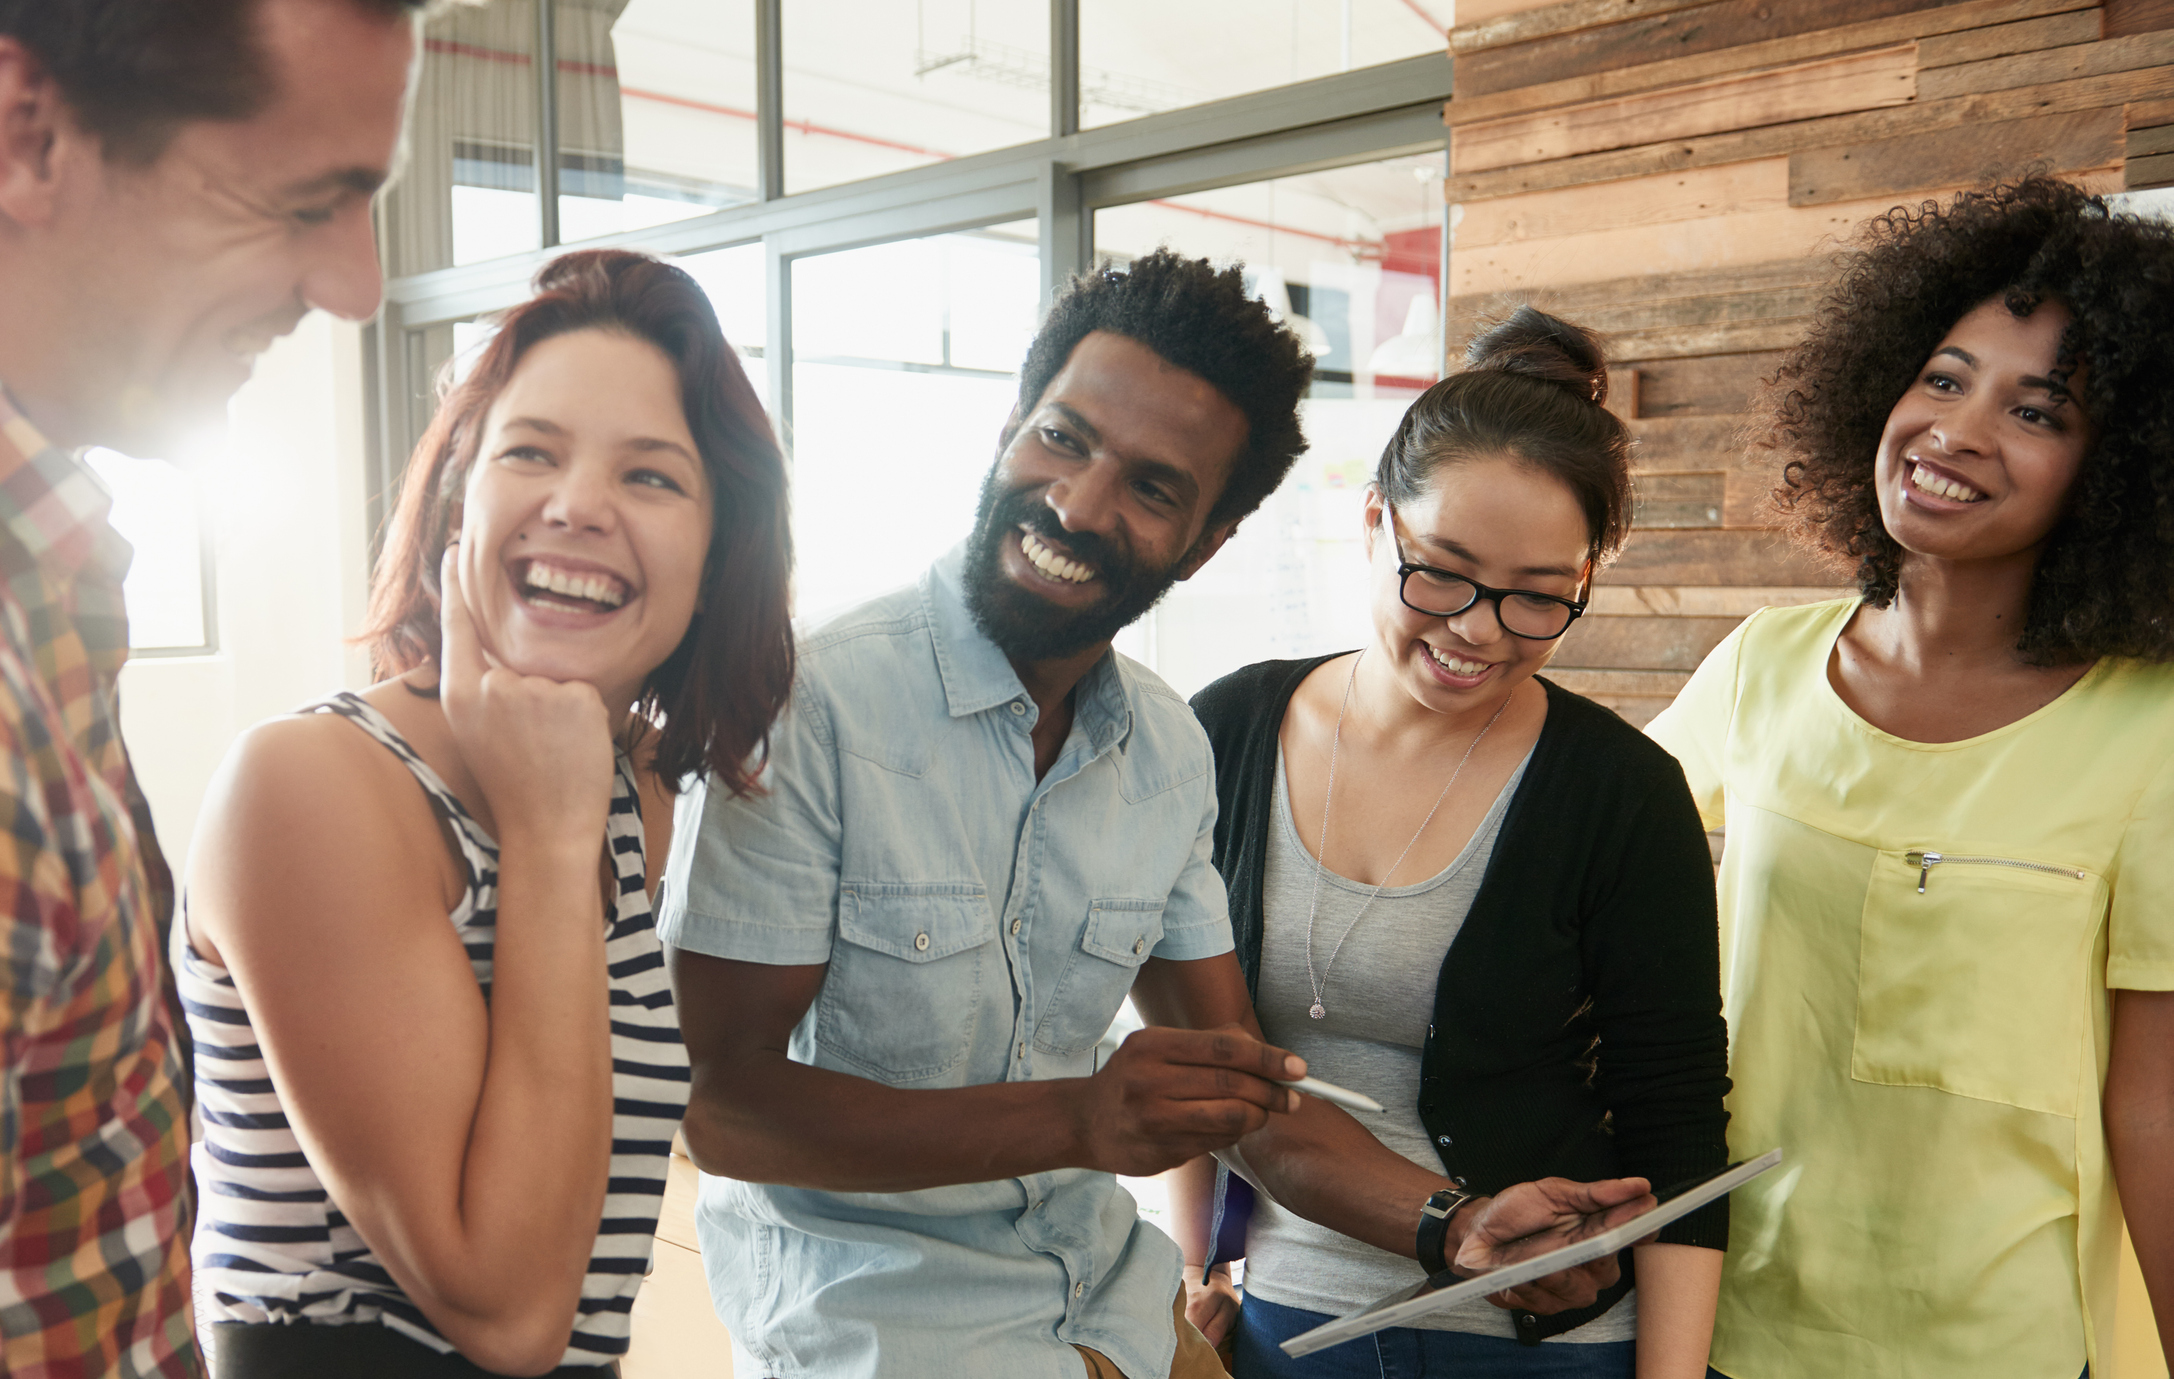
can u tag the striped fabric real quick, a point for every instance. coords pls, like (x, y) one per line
(271, 1245)
(94, 1124)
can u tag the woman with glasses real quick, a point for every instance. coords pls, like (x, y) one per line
(1478, 898)
(1948, 889)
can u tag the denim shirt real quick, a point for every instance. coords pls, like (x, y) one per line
(979, 926)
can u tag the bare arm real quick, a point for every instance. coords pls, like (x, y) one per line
(1167, 1096)
(2139, 1113)
(1678, 1286)
(468, 1142)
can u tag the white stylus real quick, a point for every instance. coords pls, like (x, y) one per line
(1335, 1095)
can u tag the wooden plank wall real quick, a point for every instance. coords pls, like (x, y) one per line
(1678, 173)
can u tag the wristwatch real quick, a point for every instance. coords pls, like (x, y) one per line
(1434, 1227)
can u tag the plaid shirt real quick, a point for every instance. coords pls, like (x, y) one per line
(94, 1123)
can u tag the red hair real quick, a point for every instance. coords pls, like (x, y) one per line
(715, 697)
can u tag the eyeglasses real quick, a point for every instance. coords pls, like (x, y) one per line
(1440, 594)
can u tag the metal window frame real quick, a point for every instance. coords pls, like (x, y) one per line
(1385, 111)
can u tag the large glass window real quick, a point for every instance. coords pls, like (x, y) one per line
(656, 111)
(875, 88)
(1138, 57)
(468, 192)
(905, 366)
(1351, 258)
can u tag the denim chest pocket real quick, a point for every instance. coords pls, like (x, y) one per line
(1119, 936)
(903, 993)
(1974, 977)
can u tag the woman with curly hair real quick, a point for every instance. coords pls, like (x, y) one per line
(1947, 896)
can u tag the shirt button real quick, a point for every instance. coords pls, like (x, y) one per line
(1018, 709)
(1015, 926)
(1079, 1290)
(1022, 1050)
(1444, 1140)
(920, 942)
(1458, 1181)
(1528, 1319)
(1139, 946)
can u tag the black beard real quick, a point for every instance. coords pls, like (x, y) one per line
(1026, 627)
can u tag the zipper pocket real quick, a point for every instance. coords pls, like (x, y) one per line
(1926, 860)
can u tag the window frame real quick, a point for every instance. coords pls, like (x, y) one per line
(1390, 110)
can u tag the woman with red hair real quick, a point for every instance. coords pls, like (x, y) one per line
(439, 1063)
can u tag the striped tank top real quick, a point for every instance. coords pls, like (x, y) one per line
(272, 1246)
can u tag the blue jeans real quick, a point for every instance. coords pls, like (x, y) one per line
(1401, 1353)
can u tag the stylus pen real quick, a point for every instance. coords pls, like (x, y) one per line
(1335, 1095)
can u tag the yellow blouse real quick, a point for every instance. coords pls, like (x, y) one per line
(1916, 944)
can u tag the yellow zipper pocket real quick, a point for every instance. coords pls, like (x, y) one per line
(1925, 861)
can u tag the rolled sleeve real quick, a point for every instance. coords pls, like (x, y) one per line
(754, 877)
(2140, 945)
(1196, 918)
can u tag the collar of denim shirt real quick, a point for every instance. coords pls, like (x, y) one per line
(978, 676)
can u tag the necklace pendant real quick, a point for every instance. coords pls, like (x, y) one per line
(1317, 1010)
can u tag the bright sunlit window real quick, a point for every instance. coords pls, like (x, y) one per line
(157, 509)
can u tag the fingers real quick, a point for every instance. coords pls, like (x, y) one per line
(1561, 1292)
(460, 655)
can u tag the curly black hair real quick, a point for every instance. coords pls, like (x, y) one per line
(2104, 585)
(1205, 322)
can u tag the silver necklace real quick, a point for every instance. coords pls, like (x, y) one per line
(1321, 849)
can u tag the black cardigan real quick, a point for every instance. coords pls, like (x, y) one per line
(1577, 1027)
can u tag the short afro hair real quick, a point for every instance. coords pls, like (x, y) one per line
(134, 71)
(2104, 585)
(1203, 321)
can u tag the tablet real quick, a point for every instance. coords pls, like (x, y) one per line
(1448, 1289)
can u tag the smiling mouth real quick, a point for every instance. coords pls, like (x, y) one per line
(1926, 480)
(556, 586)
(1455, 665)
(1057, 567)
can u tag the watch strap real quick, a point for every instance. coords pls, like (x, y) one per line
(1434, 1218)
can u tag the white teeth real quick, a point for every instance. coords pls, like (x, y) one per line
(595, 588)
(1052, 564)
(1455, 665)
(1941, 487)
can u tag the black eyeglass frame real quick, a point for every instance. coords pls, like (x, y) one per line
(1407, 568)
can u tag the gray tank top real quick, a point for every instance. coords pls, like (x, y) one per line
(1379, 996)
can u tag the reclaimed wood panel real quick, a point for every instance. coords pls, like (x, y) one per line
(2089, 93)
(2147, 114)
(1677, 501)
(1701, 386)
(1685, 442)
(1759, 185)
(1483, 31)
(2142, 143)
(1467, 108)
(1699, 29)
(2054, 64)
(1697, 601)
(1632, 643)
(2138, 16)
(1829, 86)
(1717, 557)
(1719, 242)
(2142, 174)
(2001, 40)
(1747, 493)
(1967, 156)
(1734, 295)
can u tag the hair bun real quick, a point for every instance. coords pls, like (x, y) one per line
(1537, 345)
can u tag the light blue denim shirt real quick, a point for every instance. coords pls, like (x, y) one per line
(979, 926)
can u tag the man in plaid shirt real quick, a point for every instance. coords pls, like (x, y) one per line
(181, 181)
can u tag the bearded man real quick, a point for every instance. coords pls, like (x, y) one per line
(979, 830)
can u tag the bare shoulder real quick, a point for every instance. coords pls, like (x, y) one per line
(304, 806)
